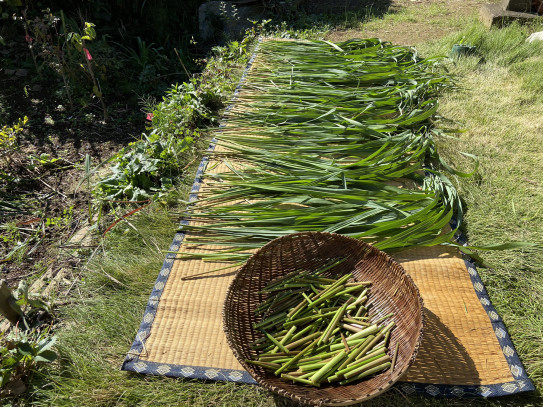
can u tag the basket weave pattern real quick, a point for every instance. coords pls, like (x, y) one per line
(392, 290)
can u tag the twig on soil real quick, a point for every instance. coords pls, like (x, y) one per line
(46, 184)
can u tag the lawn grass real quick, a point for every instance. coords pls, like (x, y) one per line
(499, 104)
(502, 112)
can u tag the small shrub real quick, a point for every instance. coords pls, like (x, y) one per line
(145, 169)
(28, 344)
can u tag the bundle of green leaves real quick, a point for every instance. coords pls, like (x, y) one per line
(331, 137)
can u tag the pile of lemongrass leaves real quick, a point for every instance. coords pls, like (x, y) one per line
(334, 138)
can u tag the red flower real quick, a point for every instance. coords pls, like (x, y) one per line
(149, 117)
(28, 39)
(87, 54)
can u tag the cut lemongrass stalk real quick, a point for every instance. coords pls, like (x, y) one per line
(301, 333)
(296, 358)
(299, 342)
(335, 320)
(274, 359)
(297, 379)
(344, 341)
(325, 297)
(361, 311)
(291, 353)
(305, 319)
(367, 366)
(383, 318)
(276, 343)
(367, 373)
(359, 363)
(296, 373)
(350, 290)
(333, 286)
(263, 339)
(361, 300)
(328, 358)
(388, 327)
(267, 365)
(364, 319)
(326, 369)
(350, 357)
(356, 321)
(306, 298)
(394, 357)
(363, 294)
(282, 280)
(313, 366)
(285, 339)
(296, 309)
(338, 346)
(329, 309)
(313, 358)
(271, 320)
(351, 328)
(373, 352)
(370, 345)
(373, 329)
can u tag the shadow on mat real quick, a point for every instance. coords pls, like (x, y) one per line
(442, 359)
(425, 253)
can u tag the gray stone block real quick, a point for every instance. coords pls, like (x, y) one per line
(493, 15)
(221, 20)
(522, 6)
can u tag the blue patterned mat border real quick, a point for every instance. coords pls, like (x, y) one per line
(522, 382)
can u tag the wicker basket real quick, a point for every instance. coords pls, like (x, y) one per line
(392, 291)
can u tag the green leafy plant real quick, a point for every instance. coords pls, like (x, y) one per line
(21, 352)
(31, 303)
(62, 48)
(145, 168)
(8, 134)
(182, 109)
(78, 41)
(147, 60)
(148, 168)
(26, 345)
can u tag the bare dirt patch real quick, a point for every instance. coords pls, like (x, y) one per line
(40, 208)
(411, 22)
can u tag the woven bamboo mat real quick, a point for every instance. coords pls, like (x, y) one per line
(466, 350)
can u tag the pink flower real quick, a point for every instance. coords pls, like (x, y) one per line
(149, 117)
(28, 39)
(87, 54)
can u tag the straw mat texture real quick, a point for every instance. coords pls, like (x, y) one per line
(465, 351)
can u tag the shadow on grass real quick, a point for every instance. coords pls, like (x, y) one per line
(324, 14)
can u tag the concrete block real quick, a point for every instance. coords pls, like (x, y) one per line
(522, 6)
(493, 15)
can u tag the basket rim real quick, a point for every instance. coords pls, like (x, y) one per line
(304, 399)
